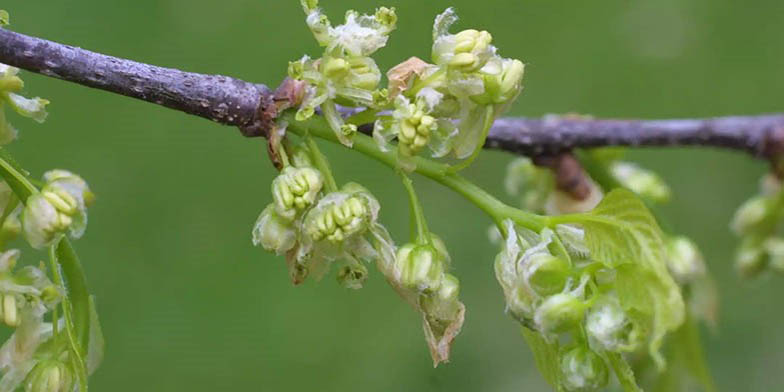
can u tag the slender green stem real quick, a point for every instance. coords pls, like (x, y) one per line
(423, 234)
(78, 352)
(438, 172)
(321, 163)
(15, 177)
(489, 119)
(366, 116)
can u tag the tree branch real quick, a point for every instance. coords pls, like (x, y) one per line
(252, 107)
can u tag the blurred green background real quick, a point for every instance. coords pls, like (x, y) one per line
(188, 304)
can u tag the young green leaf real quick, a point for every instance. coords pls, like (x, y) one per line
(624, 372)
(621, 233)
(546, 357)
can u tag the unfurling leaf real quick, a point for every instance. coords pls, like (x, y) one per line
(621, 233)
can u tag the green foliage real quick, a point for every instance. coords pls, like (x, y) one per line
(621, 233)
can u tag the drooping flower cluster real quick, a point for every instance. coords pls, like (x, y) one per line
(27, 357)
(314, 228)
(759, 224)
(419, 272)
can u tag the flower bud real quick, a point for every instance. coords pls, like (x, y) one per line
(751, 259)
(640, 181)
(10, 310)
(750, 214)
(606, 325)
(387, 18)
(444, 303)
(684, 259)
(8, 260)
(338, 216)
(274, 233)
(295, 189)
(419, 267)
(559, 313)
(775, 249)
(334, 68)
(363, 73)
(548, 274)
(352, 276)
(583, 370)
(50, 376)
(504, 86)
(42, 222)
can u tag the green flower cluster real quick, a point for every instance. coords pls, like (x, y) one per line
(449, 105)
(314, 227)
(758, 222)
(345, 74)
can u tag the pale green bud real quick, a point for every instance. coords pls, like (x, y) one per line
(295, 189)
(583, 370)
(751, 259)
(750, 214)
(342, 216)
(775, 248)
(309, 5)
(387, 17)
(559, 313)
(548, 274)
(606, 325)
(50, 376)
(4, 18)
(10, 310)
(352, 276)
(640, 181)
(42, 223)
(274, 233)
(501, 87)
(363, 73)
(443, 303)
(419, 267)
(8, 260)
(335, 68)
(684, 259)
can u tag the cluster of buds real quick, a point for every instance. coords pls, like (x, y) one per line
(553, 287)
(51, 376)
(757, 222)
(313, 228)
(419, 273)
(345, 74)
(59, 208)
(455, 99)
(10, 85)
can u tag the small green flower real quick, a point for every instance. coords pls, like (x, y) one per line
(751, 214)
(583, 370)
(60, 207)
(274, 233)
(51, 376)
(608, 327)
(547, 274)
(295, 190)
(640, 181)
(684, 260)
(420, 267)
(34, 108)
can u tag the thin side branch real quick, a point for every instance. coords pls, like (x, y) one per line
(252, 107)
